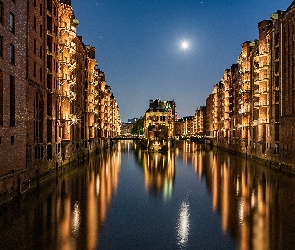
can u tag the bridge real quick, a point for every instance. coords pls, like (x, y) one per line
(126, 138)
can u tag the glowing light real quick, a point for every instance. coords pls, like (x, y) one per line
(241, 211)
(76, 219)
(184, 45)
(183, 224)
(97, 185)
(75, 119)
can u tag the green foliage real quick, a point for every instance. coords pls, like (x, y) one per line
(138, 127)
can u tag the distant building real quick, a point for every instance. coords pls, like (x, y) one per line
(185, 126)
(200, 121)
(159, 120)
(126, 129)
(209, 117)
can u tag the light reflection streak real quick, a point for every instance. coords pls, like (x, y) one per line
(253, 199)
(238, 186)
(97, 185)
(159, 172)
(183, 224)
(76, 219)
(241, 211)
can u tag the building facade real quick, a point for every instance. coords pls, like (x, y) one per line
(199, 122)
(159, 120)
(252, 109)
(13, 85)
(55, 105)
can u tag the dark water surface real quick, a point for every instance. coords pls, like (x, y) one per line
(189, 198)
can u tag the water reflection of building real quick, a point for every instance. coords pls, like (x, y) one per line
(86, 214)
(249, 198)
(192, 152)
(103, 183)
(159, 172)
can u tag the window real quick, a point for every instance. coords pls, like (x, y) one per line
(1, 11)
(41, 74)
(35, 22)
(12, 101)
(12, 140)
(41, 53)
(1, 46)
(12, 54)
(12, 22)
(41, 9)
(38, 118)
(34, 70)
(35, 3)
(1, 98)
(34, 50)
(41, 30)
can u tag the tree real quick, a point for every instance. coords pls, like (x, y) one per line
(137, 128)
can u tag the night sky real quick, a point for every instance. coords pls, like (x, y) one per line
(139, 46)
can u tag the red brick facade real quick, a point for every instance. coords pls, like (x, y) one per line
(261, 96)
(13, 86)
(51, 92)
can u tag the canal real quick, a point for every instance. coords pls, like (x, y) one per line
(192, 197)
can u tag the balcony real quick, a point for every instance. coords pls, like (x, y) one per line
(263, 121)
(263, 90)
(244, 110)
(257, 81)
(261, 104)
(256, 92)
(255, 122)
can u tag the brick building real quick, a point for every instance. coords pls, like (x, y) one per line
(252, 109)
(55, 105)
(199, 121)
(287, 98)
(159, 120)
(209, 116)
(13, 85)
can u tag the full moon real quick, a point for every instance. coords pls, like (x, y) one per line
(184, 45)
